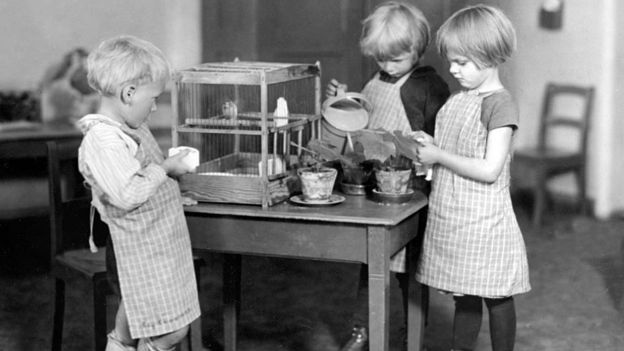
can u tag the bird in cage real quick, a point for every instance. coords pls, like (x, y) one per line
(229, 110)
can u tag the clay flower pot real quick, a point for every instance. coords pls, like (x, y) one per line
(356, 175)
(356, 179)
(393, 181)
(317, 183)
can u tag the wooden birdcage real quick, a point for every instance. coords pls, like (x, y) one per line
(234, 114)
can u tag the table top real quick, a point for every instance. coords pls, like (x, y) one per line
(34, 131)
(355, 209)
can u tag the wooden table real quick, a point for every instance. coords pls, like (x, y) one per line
(28, 139)
(22, 139)
(23, 165)
(357, 230)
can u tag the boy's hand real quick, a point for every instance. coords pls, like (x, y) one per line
(175, 166)
(333, 87)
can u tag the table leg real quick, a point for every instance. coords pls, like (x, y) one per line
(231, 299)
(379, 288)
(417, 302)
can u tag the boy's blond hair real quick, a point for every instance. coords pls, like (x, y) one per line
(481, 33)
(394, 28)
(125, 60)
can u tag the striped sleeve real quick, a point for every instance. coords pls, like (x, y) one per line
(109, 155)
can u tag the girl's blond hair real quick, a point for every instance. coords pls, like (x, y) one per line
(394, 28)
(481, 33)
(125, 60)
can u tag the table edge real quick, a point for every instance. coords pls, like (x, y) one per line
(319, 214)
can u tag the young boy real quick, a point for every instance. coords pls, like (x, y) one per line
(405, 96)
(136, 197)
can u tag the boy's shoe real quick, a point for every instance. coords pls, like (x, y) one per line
(358, 341)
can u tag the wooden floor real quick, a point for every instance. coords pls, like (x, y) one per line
(577, 275)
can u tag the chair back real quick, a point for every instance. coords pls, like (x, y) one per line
(566, 112)
(70, 200)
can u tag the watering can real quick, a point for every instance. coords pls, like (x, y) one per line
(344, 113)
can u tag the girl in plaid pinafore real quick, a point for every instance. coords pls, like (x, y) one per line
(405, 96)
(135, 194)
(473, 247)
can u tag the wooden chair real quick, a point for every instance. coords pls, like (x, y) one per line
(71, 259)
(557, 151)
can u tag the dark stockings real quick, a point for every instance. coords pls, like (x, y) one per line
(467, 323)
(360, 315)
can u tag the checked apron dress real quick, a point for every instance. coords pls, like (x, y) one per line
(153, 252)
(388, 114)
(472, 243)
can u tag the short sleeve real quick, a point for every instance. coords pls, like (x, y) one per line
(500, 110)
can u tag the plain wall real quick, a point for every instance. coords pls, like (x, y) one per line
(582, 52)
(36, 33)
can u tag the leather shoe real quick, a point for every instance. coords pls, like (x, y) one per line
(358, 341)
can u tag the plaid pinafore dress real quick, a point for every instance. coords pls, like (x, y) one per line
(388, 114)
(472, 243)
(153, 252)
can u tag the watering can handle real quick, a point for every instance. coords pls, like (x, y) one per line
(341, 95)
(362, 99)
(341, 90)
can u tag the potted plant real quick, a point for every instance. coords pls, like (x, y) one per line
(355, 172)
(378, 159)
(317, 183)
(393, 176)
(357, 176)
(392, 155)
(315, 174)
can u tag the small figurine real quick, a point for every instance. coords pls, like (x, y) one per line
(281, 111)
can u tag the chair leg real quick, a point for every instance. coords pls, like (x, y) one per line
(99, 313)
(59, 312)
(194, 335)
(193, 340)
(539, 198)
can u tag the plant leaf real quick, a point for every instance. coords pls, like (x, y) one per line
(405, 145)
(374, 144)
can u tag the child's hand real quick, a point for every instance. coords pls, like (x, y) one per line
(333, 87)
(175, 166)
(421, 136)
(427, 152)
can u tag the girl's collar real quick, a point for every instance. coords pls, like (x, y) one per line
(478, 92)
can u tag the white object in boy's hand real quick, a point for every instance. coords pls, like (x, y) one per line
(191, 159)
